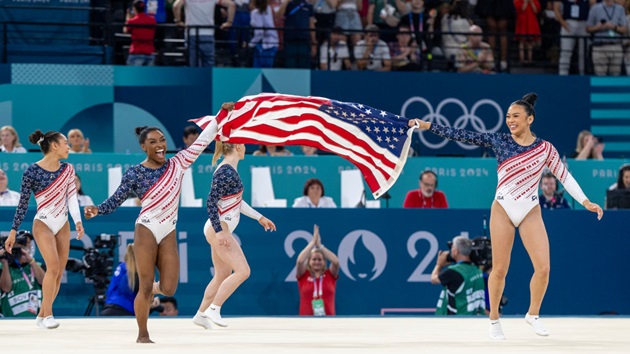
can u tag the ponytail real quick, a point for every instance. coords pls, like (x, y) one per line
(222, 149)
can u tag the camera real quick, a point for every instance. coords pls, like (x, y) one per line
(480, 253)
(21, 241)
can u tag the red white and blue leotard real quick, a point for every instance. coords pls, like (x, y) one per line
(520, 168)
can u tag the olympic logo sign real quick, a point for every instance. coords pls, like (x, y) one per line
(467, 120)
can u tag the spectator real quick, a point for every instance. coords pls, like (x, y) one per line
(324, 12)
(475, 55)
(404, 52)
(7, 196)
(314, 196)
(272, 150)
(335, 55)
(300, 42)
(572, 16)
(169, 306)
(265, 41)
(618, 195)
(527, 29)
(427, 196)
(78, 144)
(550, 198)
(421, 24)
(20, 280)
(497, 14)
(455, 24)
(239, 33)
(123, 287)
(607, 22)
(309, 150)
(142, 30)
(464, 287)
(623, 180)
(348, 19)
(84, 199)
(588, 147)
(317, 284)
(200, 28)
(371, 53)
(385, 15)
(10, 140)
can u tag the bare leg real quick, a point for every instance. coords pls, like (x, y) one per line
(63, 250)
(222, 270)
(502, 234)
(146, 251)
(168, 264)
(536, 242)
(234, 258)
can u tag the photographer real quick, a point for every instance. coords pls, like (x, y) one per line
(20, 280)
(464, 289)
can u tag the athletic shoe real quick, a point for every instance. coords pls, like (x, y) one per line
(496, 332)
(39, 322)
(201, 320)
(214, 315)
(50, 322)
(535, 322)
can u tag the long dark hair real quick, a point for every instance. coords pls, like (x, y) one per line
(44, 139)
(623, 169)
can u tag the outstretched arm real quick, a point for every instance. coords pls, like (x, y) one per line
(461, 135)
(112, 203)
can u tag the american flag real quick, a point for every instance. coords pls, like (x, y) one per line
(375, 141)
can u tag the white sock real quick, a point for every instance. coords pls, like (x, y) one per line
(215, 308)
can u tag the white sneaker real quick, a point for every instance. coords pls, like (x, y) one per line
(50, 322)
(201, 320)
(39, 322)
(214, 315)
(535, 322)
(496, 332)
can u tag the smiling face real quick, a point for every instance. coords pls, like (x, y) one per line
(317, 263)
(155, 147)
(517, 120)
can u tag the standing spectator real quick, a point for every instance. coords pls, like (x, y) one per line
(324, 12)
(421, 24)
(200, 28)
(78, 144)
(371, 53)
(142, 29)
(588, 147)
(475, 55)
(300, 42)
(427, 196)
(239, 33)
(455, 24)
(314, 196)
(10, 140)
(385, 16)
(7, 196)
(464, 287)
(572, 15)
(527, 28)
(334, 55)
(550, 198)
(84, 199)
(265, 40)
(497, 14)
(607, 22)
(316, 284)
(348, 18)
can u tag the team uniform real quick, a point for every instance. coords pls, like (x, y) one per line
(55, 194)
(520, 168)
(320, 289)
(159, 188)
(225, 200)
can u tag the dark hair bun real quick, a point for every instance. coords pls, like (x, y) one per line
(35, 136)
(531, 98)
(140, 129)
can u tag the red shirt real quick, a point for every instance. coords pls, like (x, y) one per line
(141, 37)
(415, 199)
(306, 288)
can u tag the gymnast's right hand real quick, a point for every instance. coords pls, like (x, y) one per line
(90, 212)
(420, 124)
(223, 237)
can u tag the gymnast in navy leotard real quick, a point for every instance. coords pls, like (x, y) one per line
(225, 205)
(52, 182)
(522, 158)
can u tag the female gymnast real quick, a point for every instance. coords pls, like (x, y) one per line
(157, 181)
(225, 204)
(521, 159)
(52, 182)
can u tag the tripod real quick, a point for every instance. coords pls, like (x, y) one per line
(96, 300)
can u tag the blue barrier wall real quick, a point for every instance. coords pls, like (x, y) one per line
(386, 258)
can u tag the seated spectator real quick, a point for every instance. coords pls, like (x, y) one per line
(84, 199)
(7, 196)
(142, 50)
(272, 150)
(550, 198)
(371, 53)
(265, 41)
(588, 147)
(427, 196)
(317, 284)
(309, 150)
(404, 52)
(618, 195)
(623, 180)
(123, 287)
(10, 140)
(167, 306)
(78, 144)
(335, 55)
(475, 55)
(191, 133)
(20, 280)
(314, 196)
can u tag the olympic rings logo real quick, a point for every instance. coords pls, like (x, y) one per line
(467, 120)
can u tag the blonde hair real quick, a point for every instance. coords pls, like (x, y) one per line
(222, 149)
(16, 142)
(308, 262)
(580, 142)
(130, 261)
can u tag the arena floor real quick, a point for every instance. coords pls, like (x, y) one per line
(319, 335)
